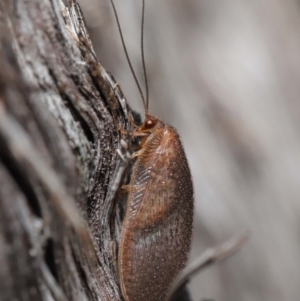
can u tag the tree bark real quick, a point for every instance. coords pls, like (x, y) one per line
(61, 161)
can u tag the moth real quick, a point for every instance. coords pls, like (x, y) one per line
(158, 224)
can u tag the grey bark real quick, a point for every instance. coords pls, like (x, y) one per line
(60, 120)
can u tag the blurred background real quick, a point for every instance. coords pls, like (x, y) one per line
(226, 74)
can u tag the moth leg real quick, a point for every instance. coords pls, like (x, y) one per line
(131, 188)
(124, 154)
(125, 188)
(136, 154)
(134, 133)
(124, 132)
(138, 134)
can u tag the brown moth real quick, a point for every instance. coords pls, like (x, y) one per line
(157, 229)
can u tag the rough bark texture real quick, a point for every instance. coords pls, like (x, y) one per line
(60, 115)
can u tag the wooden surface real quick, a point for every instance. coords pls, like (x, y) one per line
(59, 168)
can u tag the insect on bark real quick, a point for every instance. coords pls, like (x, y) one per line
(157, 228)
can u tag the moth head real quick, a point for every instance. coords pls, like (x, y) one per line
(150, 123)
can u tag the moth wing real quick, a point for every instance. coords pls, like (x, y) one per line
(160, 241)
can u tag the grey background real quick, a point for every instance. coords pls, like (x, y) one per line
(226, 74)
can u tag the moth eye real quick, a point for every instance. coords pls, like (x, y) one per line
(149, 124)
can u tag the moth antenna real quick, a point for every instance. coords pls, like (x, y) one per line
(143, 56)
(127, 57)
